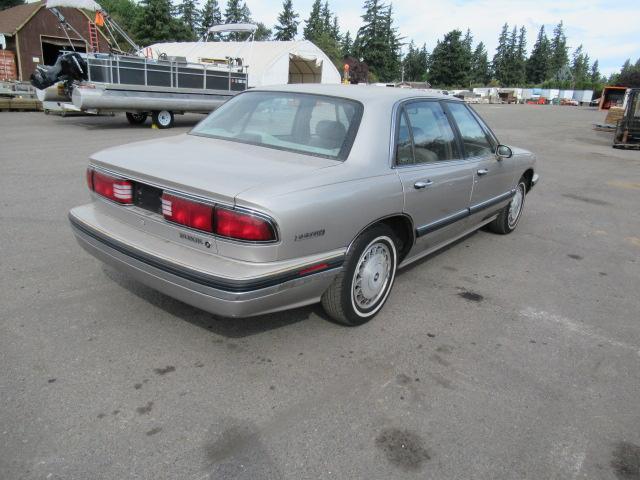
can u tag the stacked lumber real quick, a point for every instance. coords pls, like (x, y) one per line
(20, 104)
(613, 115)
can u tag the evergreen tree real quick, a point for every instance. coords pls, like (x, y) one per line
(480, 71)
(263, 33)
(580, 68)
(237, 13)
(313, 25)
(414, 63)
(287, 27)
(347, 45)
(157, 24)
(629, 76)
(322, 29)
(520, 59)
(325, 14)
(393, 64)
(559, 58)
(538, 63)
(210, 16)
(377, 41)
(335, 30)
(245, 13)
(595, 72)
(501, 58)
(190, 16)
(510, 59)
(510, 67)
(369, 44)
(467, 43)
(233, 12)
(4, 4)
(447, 62)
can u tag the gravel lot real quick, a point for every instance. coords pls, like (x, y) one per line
(535, 374)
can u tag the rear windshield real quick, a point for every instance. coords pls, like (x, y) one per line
(305, 123)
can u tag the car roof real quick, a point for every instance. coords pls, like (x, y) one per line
(361, 93)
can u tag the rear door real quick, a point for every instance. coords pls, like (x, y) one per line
(435, 178)
(493, 177)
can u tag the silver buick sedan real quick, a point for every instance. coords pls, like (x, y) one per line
(292, 195)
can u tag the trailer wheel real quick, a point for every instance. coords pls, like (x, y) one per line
(136, 118)
(163, 119)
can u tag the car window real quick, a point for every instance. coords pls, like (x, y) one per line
(404, 152)
(306, 123)
(473, 136)
(432, 135)
(274, 116)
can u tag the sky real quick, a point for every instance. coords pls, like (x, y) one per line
(609, 31)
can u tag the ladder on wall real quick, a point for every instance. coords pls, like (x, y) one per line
(93, 36)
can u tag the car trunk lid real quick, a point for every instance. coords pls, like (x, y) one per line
(213, 168)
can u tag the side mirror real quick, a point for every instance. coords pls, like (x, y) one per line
(503, 152)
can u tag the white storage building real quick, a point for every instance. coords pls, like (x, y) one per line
(269, 63)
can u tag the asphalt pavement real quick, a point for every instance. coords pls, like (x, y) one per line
(502, 357)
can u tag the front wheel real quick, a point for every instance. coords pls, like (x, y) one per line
(508, 218)
(358, 293)
(163, 119)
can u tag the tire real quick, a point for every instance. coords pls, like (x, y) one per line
(136, 118)
(507, 220)
(373, 256)
(163, 118)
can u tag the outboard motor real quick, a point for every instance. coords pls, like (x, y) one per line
(68, 67)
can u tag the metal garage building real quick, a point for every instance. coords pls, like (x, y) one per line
(35, 37)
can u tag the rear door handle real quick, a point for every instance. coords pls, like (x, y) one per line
(483, 171)
(421, 185)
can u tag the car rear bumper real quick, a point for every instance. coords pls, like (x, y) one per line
(228, 297)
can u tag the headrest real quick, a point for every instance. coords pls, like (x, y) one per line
(332, 131)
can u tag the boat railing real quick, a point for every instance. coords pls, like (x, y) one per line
(110, 69)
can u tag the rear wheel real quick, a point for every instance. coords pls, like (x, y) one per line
(358, 293)
(136, 118)
(507, 220)
(163, 119)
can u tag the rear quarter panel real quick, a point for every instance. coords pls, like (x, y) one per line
(323, 214)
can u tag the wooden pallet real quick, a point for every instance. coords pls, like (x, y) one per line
(627, 146)
(604, 127)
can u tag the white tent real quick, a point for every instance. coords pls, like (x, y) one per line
(270, 63)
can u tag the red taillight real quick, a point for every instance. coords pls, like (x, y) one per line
(242, 226)
(113, 188)
(188, 213)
